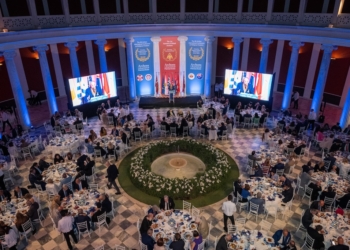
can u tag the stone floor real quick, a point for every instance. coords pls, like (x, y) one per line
(123, 231)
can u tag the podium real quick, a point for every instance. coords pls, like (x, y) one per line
(172, 96)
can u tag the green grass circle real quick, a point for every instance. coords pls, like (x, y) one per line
(200, 201)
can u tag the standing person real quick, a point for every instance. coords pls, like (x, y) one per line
(216, 89)
(221, 88)
(312, 118)
(10, 239)
(112, 175)
(65, 226)
(228, 208)
(5, 119)
(33, 94)
(295, 97)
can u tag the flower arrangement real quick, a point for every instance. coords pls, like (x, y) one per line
(217, 167)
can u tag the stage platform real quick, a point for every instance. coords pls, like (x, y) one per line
(180, 102)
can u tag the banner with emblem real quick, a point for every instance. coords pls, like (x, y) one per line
(143, 63)
(195, 64)
(169, 58)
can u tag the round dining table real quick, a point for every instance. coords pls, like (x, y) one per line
(252, 240)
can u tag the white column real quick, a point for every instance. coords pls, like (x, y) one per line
(302, 7)
(264, 54)
(4, 8)
(312, 69)
(250, 5)
(33, 13)
(213, 66)
(20, 101)
(325, 6)
(58, 69)
(153, 9)
(216, 6)
(65, 8)
(182, 10)
(345, 89)
(156, 62)
(182, 40)
(123, 63)
(239, 10)
(97, 12)
(338, 9)
(126, 11)
(245, 52)
(73, 58)
(90, 57)
(45, 71)
(119, 7)
(131, 69)
(83, 6)
(236, 52)
(210, 10)
(277, 65)
(208, 66)
(269, 10)
(286, 6)
(21, 73)
(102, 55)
(46, 8)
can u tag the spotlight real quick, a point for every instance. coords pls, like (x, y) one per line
(5, 30)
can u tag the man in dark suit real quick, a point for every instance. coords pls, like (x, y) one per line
(221, 129)
(258, 201)
(147, 239)
(307, 218)
(316, 188)
(80, 185)
(340, 245)
(285, 181)
(212, 110)
(174, 125)
(33, 179)
(253, 157)
(43, 164)
(238, 187)
(87, 168)
(98, 212)
(166, 203)
(32, 212)
(37, 169)
(279, 165)
(282, 237)
(81, 217)
(287, 193)
(20, 192)
(223, 241)
(330, 157)
(317, 236)
(307, 167)
(105, 203)
(343, 201)
(318, 205)
(94, 90)
(65, 192)
(5, 195)
(204, 126)
(80, 160)
(164, 123)
(146, 223)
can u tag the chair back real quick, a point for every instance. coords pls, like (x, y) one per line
(82, 226)
(27, 226)
(231, 229)
(328, 202)
(137, 135)
(309, 243)
(240, 221)
(93, 186)
(239, 197)
(280, 172)
(308, 191)
(143, 246)
(195, 211)
(101, 218)
(162, 127)
(172, 130)
(327, 165)
(98, 152)
(254, 208)
(247, 119)
(186, 206)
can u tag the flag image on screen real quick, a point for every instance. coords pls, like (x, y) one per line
(248, 84)
(92, 88)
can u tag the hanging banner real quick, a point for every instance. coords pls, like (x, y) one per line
(169, 55)
(143, 63)
(195, 65)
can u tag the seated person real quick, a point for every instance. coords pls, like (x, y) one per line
(111, 150)
(343, 201)
(307, 218)
(20, 192)
(203, 227)
(336, 128)
(318, 205)
(89, 147)
(178, 243)
(319, 167)
(65, 179)
(170, 113)
(105, 203)
(98, 147)
(65, 192)
(20, 220)
(82, 217)
(115, 131)
(316, 188)
(223, 242)
(334, 170)
(282, 237)
(253, 157)
(88, 165)
(98, 212)
(258, 201)
(103, 131)
(279, 165)
(306, 168)
(317, 235)
(196, 240)
(136, 129)
(340, 245)
(51, 187)
(32, 212)
(166, 203)
(297, 150)
(329, 193)
(287, 193)
(147, 239)
(43, 164)
(5, 195)
(245, 193)
(58, 159)
(164, 123)
(79, 185)
(34, 179)
(81, 159)
(258, 172)
(154, 210)
(238, 187)
(204, 126)
(221, 129)
(146, 223)
(284, 181)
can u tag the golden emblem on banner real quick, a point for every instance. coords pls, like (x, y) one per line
(196, 57)
(142, 58)
(169, 54)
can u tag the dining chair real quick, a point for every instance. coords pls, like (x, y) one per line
(83, 229)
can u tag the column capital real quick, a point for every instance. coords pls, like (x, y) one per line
(41, 48)
(71, 45)
(237, 40)
(128, 40)
(182, 38)
(9, 54)
(156, 39)
(296, 44)
(210, 39)
(328, 47)
(101, 42)
(265, 42)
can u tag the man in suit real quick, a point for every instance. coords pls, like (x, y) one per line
(166, 203)
(99, 211)
(285, 181)
(318, 205)
(287, 193)
(65, 179)
(212, 110)
(20, 192)
(305, 178)
(37, 169)
(221, 129)
(43, 164)
(223, 241)
(316, 188)
(307, 218)
(340, 245)
(65, 192)
(81, 159)
(147, 239)
(258, 172)
(87, 168)
(279, 165)
(81, 217)
(343, 201)
(32, 212)
(330, 157)
(105, 203)
(245, 87)
(79, 185)
(282, 237)
(253, 158)
(174, 125)
(94, 90)
(307, 167)
(317, 236)
(5, 195)
(33, 179)
(258, 201)
(164, 123)
(238, 187)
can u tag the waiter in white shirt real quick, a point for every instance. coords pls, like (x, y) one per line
(5, 119)
(65, 226)
(228, 208)
(296, 99)
(312, 118)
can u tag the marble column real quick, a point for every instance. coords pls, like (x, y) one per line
(122, 60)
(277, 64)
(58, 69)
(156, 63)
(293, 62)
(20, 100)
(45, 71)
(245, 54)
(131, 70)
(182, 40)
(345, 112)
(322, 76)
(73, 58)
(316, 48)
(102, 54)
(90, 57)
(264, 54)
(208, 66)
(236, 52)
